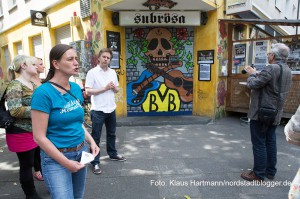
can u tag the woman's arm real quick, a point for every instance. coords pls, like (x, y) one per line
(39, 128)
(94, 148)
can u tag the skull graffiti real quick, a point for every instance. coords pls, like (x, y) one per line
(160, 47)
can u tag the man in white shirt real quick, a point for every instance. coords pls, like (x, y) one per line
(102, 84)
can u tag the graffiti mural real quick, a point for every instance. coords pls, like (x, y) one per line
(159, 70)
(223, 70)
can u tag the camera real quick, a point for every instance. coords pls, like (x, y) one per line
(244, 72)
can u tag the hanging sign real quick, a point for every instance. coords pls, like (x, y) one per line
(159, 18)
(38, 18)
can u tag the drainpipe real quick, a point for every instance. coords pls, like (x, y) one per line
(297, 16)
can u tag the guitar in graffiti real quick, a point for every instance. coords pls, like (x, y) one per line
(137, 91)
(175, 79)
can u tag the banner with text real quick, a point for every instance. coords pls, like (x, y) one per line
(159, 18)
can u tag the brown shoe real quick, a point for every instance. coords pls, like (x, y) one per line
(250, 176)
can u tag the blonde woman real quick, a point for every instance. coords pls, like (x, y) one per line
(40, 69)
(19, 137)
(37, 157)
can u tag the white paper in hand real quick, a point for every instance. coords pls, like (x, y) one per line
(86, 157)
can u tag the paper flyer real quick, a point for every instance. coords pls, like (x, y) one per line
(86, 157)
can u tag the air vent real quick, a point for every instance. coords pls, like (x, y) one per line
(85, 8)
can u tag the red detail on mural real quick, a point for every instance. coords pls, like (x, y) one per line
(95, 60)
(139, 33)
(93, 18)
(222, 29)
(98, 36)
(182, 33)
(221, 92)
(89, 36)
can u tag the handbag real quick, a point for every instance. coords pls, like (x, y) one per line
(267, 115)
(6, 120)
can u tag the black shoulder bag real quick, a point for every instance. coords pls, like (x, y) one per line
(59, 86)
(267, 115)
(6, 120)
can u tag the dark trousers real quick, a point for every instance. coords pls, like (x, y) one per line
(264, 149)
(26, 160)
(109, 119)
(37, 159)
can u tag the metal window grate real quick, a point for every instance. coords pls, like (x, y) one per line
(19, 48)
(85, 8)
(63, 35)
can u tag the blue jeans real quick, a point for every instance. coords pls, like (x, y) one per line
(60, 182)
(98, 119)
(264, 149)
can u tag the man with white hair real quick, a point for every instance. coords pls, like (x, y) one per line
(273, 82)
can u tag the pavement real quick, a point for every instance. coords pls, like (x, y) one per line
(173, 158)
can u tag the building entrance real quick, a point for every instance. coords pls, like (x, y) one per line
(159, 64)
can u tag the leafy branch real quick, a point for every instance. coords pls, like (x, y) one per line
(137, 50)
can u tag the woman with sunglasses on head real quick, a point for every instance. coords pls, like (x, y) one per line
(57, 122)
(19, 137)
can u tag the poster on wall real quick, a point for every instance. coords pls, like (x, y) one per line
(205, 56)
(239, 58)
(113, 42)
(294, 56)
(115, 61)
(204, 72)
(240, 51)
(260, 50)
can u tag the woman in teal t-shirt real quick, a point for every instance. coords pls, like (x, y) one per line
(57, 123)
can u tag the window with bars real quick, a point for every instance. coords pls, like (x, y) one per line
(19, 48)
(11, 4)
(37, 47)
(7, 57)
(63, 35)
